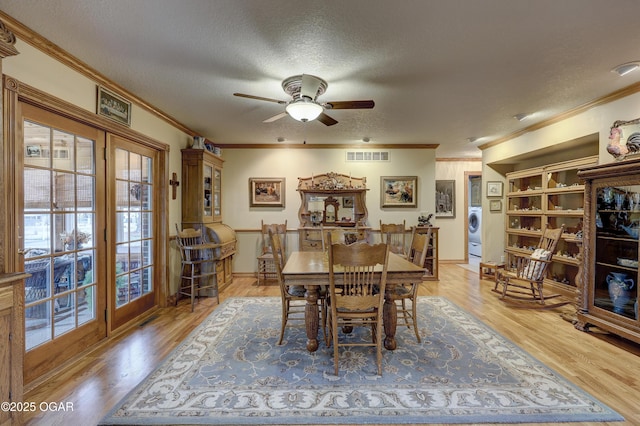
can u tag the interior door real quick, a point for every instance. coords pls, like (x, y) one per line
(61, 220)
(133, 178)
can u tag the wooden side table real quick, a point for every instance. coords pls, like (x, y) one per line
(488, 270)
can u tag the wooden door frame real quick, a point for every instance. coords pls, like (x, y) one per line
(466, 209)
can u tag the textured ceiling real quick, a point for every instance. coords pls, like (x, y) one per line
(439, 71)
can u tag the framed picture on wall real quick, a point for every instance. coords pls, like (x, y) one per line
(495, 205)
(114, 107)
(266, 192)
(445, 199)
(398, 191)
(494, 189)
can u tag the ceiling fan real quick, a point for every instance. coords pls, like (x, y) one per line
(305, 89)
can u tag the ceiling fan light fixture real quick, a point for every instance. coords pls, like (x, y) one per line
(625, 69)
(304, 109)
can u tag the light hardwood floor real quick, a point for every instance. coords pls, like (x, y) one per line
(603, 365)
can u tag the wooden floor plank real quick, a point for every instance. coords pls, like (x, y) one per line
(603, 365)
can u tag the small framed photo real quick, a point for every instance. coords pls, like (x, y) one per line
(347, 202)
(266, 192)
(494, 189)
(399, 191)
(495, 205)
(446, 199)
(113, 106)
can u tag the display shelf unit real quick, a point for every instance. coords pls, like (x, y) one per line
(608, 296)
(547, 196)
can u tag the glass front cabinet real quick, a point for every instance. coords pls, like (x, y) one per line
(202, 182)
(609, 291)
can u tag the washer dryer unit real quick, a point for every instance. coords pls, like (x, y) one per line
(475, 235)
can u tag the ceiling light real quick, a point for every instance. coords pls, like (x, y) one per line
(472, 139)
(625, 69)
(280, 139)
(304, 109)
(521, 116)
(366, 139)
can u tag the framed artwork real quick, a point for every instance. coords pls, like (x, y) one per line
(266, 192)
(494, 189)
(33, 151)
(347, 202)
(495, 205)
(113, 106)
(399, 191)
(445, 199)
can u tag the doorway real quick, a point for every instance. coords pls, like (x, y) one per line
(474, 216)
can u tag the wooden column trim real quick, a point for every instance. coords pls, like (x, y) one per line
(7, 48)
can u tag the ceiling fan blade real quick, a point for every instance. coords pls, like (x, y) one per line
(310, 86)
(326, 120)
(260, 98)
(275, 117)
(349, 104)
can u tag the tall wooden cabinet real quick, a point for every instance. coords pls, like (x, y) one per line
(201, 187)
(202, 207)
(12, 344)
(547, 196)
(608, 296)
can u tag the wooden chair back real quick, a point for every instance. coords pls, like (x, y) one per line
(362, 284)
(534, 267)
(394, 234)
(278, 228)
(277, 250)
(419, 247)
(189, 237)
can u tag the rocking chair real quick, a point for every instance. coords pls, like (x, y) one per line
(523, 286)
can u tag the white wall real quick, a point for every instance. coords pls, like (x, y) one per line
(241, 164)
(453, 231)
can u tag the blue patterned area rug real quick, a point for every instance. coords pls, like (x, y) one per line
(230, 371)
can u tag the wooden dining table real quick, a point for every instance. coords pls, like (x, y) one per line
(311, 270)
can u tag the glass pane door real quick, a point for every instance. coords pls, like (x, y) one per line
(134, 222)
(59, 232)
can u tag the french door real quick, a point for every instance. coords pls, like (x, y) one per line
(86, 211)
(61, 225)
(133, 174)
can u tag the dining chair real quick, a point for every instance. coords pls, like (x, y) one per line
(408, 292)
(292, 296)
(356, 294)
(394, 234)
(523, 281)
(266, 267)
(198, 264)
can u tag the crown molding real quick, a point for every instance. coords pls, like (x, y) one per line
(34, 39)
(326, 146)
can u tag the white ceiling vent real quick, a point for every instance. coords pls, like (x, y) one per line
(357, 156)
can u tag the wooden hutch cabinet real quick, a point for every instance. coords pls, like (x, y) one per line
(548, 196)
(202, 207)
(333, 203)
(12, 346)
(608, 297)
